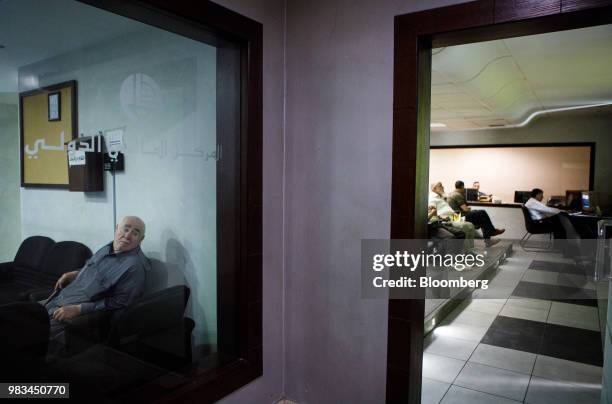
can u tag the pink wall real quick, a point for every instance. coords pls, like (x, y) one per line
(338, 191)
(328, 81)
(503, 170)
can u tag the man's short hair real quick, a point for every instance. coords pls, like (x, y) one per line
(476, 182)
(459, 184)
(535, 192)
(435, 184)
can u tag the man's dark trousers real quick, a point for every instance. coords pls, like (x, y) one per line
(554, 223)
(480, 218)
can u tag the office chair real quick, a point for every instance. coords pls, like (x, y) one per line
(532, 228)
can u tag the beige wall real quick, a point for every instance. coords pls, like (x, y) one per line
(503, 170)
(576, 126)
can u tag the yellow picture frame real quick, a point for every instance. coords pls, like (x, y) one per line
(44, 135)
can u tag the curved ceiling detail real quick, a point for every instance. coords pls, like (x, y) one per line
(503, 82)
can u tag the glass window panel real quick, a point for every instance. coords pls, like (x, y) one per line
(175, 102)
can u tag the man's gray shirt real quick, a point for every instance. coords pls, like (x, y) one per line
(107, 281)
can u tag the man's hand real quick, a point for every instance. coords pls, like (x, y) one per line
(65, 279)
(67, 312)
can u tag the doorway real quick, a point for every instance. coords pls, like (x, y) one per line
(415, 36)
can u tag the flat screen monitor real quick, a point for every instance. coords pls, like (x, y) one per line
(573, 200)
(586, 200)
(521, 196)
(471, 194)
(556, 201)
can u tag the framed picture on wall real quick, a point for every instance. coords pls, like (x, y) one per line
(47, 121)
(54, 106)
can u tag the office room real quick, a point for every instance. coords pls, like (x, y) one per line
(518, 162)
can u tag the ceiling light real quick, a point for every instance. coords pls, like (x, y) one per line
(437, 125)
(29, 81)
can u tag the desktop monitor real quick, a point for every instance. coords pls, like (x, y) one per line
(556, 201)
(521, 196)
(586, 200)
(471, 194)
(573, 200)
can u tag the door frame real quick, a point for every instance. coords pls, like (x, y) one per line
(415, 34)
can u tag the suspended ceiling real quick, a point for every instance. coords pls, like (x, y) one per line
(502, 82)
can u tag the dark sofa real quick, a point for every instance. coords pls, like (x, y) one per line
(153, 329)
(37, 266)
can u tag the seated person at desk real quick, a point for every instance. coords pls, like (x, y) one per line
(479, 218)
(112, 278)
(439, 209)
(481, 195)
(545, 214)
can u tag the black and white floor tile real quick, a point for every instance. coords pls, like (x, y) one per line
(533, 337)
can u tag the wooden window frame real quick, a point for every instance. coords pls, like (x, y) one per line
(415, 34)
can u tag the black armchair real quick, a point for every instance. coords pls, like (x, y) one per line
(38, 265)
(533, 227)
(14, 275)
(30, 255)
(87, 330)
(65, 256)
(153, 329)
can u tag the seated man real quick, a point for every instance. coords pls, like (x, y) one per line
(438, 229)
(111, 279)
(438, 209)
(481, 195)
(479, 218)
(545, 215)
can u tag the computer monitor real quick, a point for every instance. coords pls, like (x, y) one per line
(521, 196)
(573, 200)
(556, 201)
(471, 194)
(586, 200)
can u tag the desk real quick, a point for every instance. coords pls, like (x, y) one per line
(496, 205)
(586, 224)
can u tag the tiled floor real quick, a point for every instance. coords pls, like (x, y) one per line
(553, 265)
(578, 344)
(532, 338)
(437, 297)
(536, 290)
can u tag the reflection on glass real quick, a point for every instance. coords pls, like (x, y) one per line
(117, 318)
